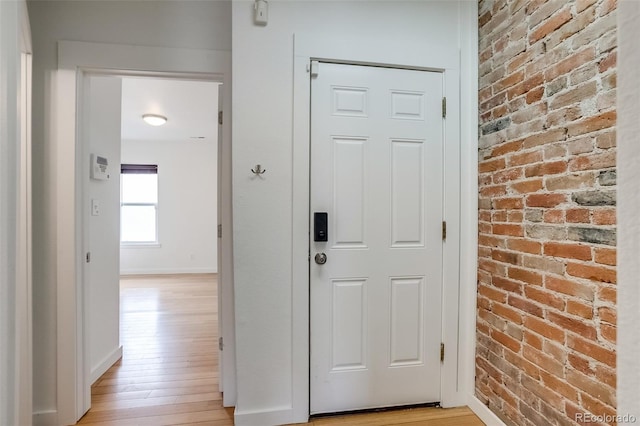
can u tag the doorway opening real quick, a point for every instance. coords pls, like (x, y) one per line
(150, 209)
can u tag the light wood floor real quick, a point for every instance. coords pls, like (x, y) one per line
(168, 374)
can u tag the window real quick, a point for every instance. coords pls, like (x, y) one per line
(139, 204)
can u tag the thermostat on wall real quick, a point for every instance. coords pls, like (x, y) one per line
(99, 167)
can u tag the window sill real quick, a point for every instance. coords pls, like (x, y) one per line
(139, 245)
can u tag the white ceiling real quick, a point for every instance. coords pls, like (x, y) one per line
(191, 108)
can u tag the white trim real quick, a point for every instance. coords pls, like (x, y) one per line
(105, 364)
(468, 198)
(45, 418)
(169, 271)
(277, 416)
(628, 161)
(482, 411)
(461, 212)
(141, 245)
(75, 58)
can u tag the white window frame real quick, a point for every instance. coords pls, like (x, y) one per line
(141, 244)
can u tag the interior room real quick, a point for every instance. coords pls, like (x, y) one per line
(420, 204)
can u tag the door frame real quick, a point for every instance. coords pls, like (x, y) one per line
(74, 60)
(460, 204)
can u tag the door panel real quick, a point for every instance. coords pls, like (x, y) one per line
(376, 168)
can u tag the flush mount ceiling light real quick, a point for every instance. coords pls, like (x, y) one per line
(154, 119)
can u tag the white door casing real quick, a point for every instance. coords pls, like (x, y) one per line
(377, 170)
(74, 58)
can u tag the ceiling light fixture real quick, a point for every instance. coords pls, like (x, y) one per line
(154, 119)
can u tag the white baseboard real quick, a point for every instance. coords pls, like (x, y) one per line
(45, 418)
(159, 271)
(265, 418)
(482, 411)
(105, 364)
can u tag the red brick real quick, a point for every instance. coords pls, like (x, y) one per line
(578, 326)
(507, 313)
(492, 293)
(544, 328)
(508, 175)
(510, 80)
(490, 241)
(579, 309)
(507, 341)
(526, 366)
(542, 360)
(491, 165)
(595, 273)
(507, 285)
(530, 185)
(606, 375)
(578, 215)
(608, 315)
(595, 406)
(533, 339)
(598, 390)
(492, 267)
(525, 86)
(604, 217)
(508, 203)
(554, 216)
(546, 168)
(535, 95)
(525, 305)
(592, 350)
(608, 294)
(546, 137)
(506, 148)
(526, 246)
(609, 332)
(570, 63)
(493, 191)
(505, 256)
(570, 251)
(545, 200)
(550, 25)
(559, 385)
(508, 229)
(515, 216)
(592, 124)
(525, 275)
(544, 297)
(580, 364)
(601, 160)
(608, 62)
(524, 158)
(572, 288)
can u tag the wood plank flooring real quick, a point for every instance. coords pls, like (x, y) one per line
(168, 374)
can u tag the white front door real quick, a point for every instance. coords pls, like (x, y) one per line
(376, 171)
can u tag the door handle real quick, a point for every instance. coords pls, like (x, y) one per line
(320, 258)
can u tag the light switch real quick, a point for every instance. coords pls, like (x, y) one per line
(95, 207)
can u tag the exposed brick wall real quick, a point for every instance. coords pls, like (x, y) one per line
(546, 328)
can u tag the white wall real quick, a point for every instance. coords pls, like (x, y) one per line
(9, 137)
(15, 245)
(187, 206)
(629, 205)
(102, 100)
(181, 24)
(270, 355)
